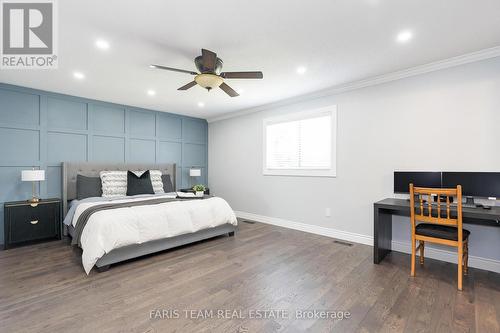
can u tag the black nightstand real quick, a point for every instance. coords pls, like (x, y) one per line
(25, 224)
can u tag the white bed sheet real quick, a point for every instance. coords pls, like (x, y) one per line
(107, 230)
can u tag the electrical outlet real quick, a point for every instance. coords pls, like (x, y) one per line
(328, 212)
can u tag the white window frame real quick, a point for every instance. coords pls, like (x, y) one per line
(332, 172)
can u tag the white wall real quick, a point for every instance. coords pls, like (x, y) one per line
(445, 120)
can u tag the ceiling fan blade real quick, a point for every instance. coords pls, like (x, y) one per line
(209, 58)
(242, 75)
(187, 86)
(173, 69)
(228, 90)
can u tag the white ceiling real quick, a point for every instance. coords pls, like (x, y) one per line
(338, 41)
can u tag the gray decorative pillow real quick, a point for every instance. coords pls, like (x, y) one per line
(167, 184)
(87, 187)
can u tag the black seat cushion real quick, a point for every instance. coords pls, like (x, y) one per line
(139, 185)
(440, 231)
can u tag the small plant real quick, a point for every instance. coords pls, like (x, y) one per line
(199, 188)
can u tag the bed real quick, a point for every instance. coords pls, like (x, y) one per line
(151, 211)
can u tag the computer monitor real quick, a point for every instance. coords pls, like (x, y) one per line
(403, 179)
(474, 184)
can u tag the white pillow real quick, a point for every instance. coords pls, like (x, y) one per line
(114, 183)
(156, 181)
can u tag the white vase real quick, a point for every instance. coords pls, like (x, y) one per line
(199, 193)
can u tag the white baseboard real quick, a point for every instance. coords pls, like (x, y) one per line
(450, 256)
(314, 229)
(438, 254)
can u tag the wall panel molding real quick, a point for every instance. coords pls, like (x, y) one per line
(42, 129)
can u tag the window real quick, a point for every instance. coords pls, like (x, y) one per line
(301, 144)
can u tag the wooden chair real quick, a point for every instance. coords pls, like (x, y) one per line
(437, 225)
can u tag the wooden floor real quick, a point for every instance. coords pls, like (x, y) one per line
(43, 288)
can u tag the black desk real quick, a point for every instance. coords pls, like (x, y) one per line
(382, 222)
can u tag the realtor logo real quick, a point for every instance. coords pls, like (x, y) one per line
(28, 34)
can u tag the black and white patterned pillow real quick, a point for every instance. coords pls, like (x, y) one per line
(114, 183)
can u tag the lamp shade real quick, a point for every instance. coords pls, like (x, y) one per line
(208, 81)
(195, 172)
(32, 175)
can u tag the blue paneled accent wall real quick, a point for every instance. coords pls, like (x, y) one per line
(42, 129)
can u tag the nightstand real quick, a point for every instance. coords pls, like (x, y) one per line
(26, 224)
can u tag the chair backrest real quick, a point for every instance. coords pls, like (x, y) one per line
(438, 213)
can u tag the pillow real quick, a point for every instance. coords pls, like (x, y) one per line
(156, 181)
(167, 184)
(87, 187)
(114, 183)
(139, 184)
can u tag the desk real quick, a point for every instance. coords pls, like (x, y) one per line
(385, 209)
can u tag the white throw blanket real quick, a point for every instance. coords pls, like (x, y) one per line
(107, 230)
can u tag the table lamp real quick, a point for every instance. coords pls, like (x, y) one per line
(194, 172)
(33, 176)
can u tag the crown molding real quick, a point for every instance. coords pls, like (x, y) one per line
(376, 80)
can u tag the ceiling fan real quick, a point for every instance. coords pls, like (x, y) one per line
(210, 75)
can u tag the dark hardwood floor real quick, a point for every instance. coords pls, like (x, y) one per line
(43, 288)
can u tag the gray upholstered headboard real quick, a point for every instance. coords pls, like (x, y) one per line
(90, 169)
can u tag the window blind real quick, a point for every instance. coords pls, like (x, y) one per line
(300, 144)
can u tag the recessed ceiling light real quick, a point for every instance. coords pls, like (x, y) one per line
(79, 75)
(201, 104)
(102, 44)
(301, 70)
(404, 36)
(151, 92)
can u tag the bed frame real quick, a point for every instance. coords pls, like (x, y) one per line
(69, 172)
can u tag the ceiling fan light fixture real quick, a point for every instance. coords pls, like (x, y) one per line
(208, 81)
(211, 75)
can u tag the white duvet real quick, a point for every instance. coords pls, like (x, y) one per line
(107, 230)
